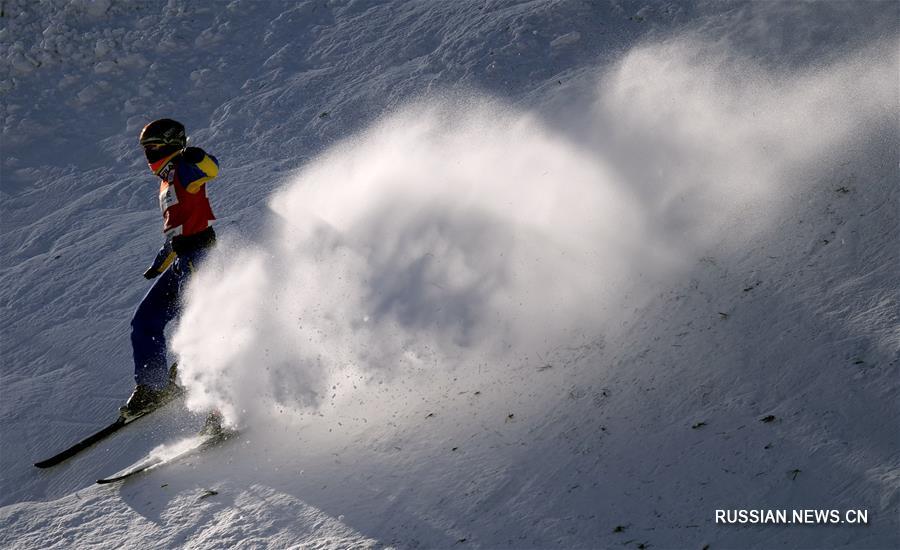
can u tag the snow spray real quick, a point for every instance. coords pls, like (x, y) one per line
(462, 238)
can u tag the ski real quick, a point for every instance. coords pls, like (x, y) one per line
(166, 454)
(117, 425)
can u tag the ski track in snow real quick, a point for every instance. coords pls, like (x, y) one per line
(492, 274)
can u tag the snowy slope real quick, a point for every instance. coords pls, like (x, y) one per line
(492, 274)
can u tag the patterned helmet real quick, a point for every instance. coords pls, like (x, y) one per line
(164, 132)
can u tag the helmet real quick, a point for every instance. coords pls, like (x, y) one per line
(164, 131)
(161, 140)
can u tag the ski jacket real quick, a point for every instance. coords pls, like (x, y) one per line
(182, 192)
(183, 201)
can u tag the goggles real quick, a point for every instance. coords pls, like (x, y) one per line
(157, 151)
(158, 155)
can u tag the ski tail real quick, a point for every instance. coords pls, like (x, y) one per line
(170, 453)
(134, 470)
(84, 443)
(101, 434)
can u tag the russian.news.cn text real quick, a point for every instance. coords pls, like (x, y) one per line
(793, 517)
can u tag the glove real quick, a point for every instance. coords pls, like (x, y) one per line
(163, 260)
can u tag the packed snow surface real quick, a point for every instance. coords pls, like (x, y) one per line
(490, 274)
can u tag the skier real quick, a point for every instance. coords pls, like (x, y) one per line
(183, 172)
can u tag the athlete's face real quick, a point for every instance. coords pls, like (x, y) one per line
(158, 154)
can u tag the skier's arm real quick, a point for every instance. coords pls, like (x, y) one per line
(163, 260)
(199, 167)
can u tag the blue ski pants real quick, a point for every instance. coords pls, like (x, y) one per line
(160, 306)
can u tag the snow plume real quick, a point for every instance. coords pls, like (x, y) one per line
(708, 139)
(450, 233)
(464, 234)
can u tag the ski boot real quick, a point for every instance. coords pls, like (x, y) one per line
(214, 425)
(145, 399)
